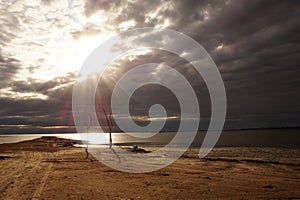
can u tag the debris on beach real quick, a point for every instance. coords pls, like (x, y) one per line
(4, 157)
(136, 149)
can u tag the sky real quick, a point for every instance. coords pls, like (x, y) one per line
(255, 45)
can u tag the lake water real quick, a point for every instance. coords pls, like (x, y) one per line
(288, 138)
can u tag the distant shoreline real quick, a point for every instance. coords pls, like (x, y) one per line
(224, 130)
(277, 138)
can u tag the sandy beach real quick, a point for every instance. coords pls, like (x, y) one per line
(45, 169)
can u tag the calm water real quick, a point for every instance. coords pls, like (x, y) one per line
(289, 138)
(93, 138)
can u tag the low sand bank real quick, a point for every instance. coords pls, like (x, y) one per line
(49, 168)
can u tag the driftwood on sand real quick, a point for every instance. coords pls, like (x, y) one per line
(136, 149)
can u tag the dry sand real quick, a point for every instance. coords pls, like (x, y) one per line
(44, 169)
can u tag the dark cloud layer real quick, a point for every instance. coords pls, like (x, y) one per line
(43, 87)
(260, 55)
(35, 115)
(255, 45)
(9, 67)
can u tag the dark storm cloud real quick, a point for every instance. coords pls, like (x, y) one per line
(33, 115)
(8, 67)
(43, 87)
(148, 95)
(258, 54)
(260, 61)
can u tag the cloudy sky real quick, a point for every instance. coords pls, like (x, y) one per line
(255, 44)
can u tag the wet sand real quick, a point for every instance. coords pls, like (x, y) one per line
(45, 169)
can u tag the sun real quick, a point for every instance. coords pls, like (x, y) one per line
(67, 56)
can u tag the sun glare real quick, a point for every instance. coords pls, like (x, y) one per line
(66, 56)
